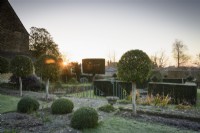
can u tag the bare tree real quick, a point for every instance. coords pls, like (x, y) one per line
(154, 59)
(159, 60)
(162, 60)
(179, 53)
(197, 61)
(111, 58)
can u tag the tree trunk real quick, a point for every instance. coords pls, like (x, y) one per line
(93, 77)
(20, 86)
(134, 98)
(47, 89)
(178, 58)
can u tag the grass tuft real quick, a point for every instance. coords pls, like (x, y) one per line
(107, 108)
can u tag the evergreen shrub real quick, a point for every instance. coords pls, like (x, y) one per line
(27, 105)
(31, 83)
(84, 117)
(62, 106)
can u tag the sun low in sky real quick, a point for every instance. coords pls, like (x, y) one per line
(97, 28)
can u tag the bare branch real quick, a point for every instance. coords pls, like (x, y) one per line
(179, 53)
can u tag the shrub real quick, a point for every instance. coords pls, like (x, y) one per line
(161, 100)
(8, 85)
(114, 75)
(73, 81)
(27, 105)
(147, 101)
(190, 78)
(129, 97)
(124, 101)
(182, 106)
(30, 82)
(62, 106)
(156, 100)
(58, 85)
(4, 65)
(84, 117)
(156, 76)
(84, 80)
(107, 108)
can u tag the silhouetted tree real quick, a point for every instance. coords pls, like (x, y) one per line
(134, 66)
(76, 69)
(159, 60)
(197, 61)
(41, 43)
(71, 70)
(179, 53)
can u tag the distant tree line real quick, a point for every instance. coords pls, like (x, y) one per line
(180, 55)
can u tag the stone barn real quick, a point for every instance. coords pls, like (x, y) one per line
(14, 39)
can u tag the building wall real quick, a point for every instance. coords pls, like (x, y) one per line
(13, 36)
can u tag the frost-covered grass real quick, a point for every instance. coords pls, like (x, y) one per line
(8, 103)
(123, 125)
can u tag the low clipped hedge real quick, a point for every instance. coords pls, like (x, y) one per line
(62, 106)
(84, 117)
(180, 93)
(27, 105)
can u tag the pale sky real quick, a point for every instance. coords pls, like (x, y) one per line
(95, 28)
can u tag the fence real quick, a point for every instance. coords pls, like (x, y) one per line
(83, 91)
(95, 91)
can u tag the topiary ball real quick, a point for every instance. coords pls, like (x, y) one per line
(85, 117)
(62, 106)
(27, 105)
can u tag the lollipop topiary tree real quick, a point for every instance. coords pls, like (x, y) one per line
(21, 66)
(47, 67)
(134, 66)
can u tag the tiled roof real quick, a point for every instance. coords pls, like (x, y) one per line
(9, 19)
